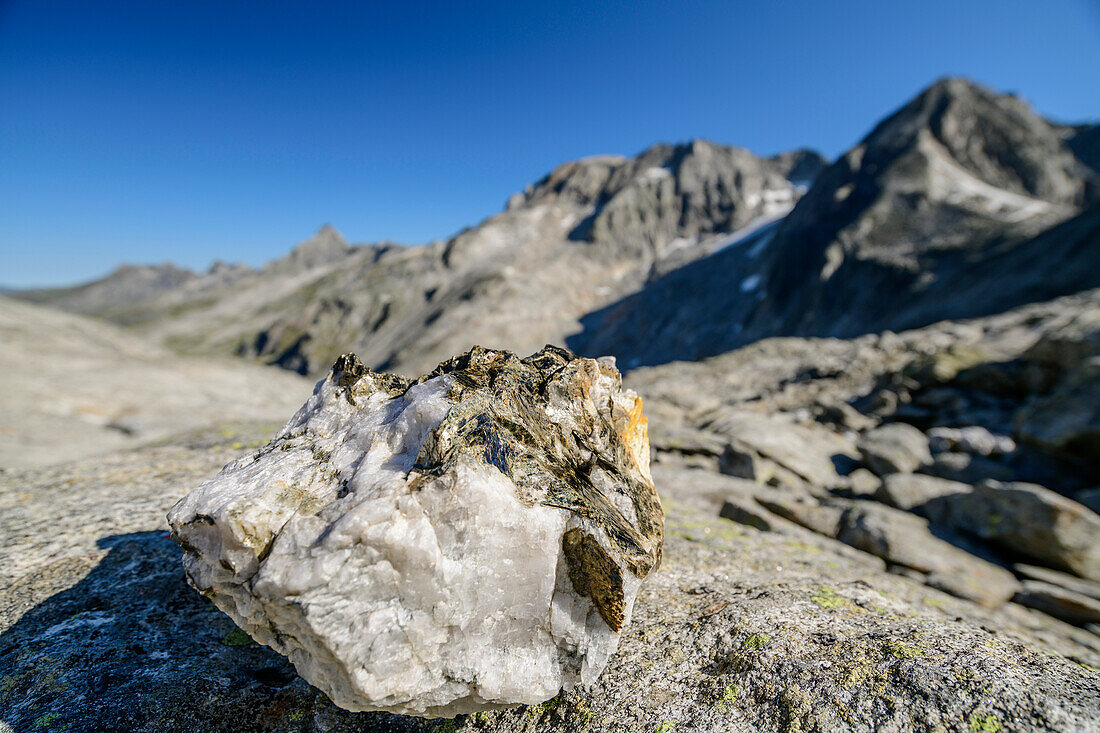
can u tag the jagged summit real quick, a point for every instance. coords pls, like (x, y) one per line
(325, 247)
(938, 212)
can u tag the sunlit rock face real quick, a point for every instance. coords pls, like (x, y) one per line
(468, 540)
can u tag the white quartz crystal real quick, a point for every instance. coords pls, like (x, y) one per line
(470, 540)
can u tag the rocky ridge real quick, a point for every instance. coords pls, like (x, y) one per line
(962, 203)
(589, 233)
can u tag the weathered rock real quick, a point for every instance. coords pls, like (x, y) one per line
(702, 489)
(806, 511)
(910, 491)
(1059, 602)
(772, 448)
(904, 542)
(863, 484)
(1028, 519)
(894, 448)
(747, 513)
(972, 439)
(469, 540)
(1065, 580)
(903, 539)
(742, 631)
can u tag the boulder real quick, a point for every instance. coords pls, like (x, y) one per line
(902, 539)
(894, 448)
(1054, 577)
(471, 539)
(763, 447)
(1030, 520)
(972, 439)
(806, 511)
(1059, 602)
(863, 484)
(739, 630)
(700, 488)
(910, 491)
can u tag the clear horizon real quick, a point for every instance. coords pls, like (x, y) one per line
(193, 132)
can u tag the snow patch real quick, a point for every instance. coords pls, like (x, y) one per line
(655, 173)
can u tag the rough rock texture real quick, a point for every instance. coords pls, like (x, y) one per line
(911, 491)
(738, 630)
(1028, 519)
(894, 448)
(470, 540)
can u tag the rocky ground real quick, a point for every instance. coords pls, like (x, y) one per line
(879, 533)
(72, 387)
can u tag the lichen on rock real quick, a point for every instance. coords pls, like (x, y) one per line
(468, 540)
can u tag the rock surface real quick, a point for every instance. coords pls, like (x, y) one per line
(72, 387)
(1028, 519)
(470, 540)
(962, 203)
(738, 630)
(894, 448)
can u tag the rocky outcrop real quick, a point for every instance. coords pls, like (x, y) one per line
(740, 630)
(1027, 519)
(590, 232)
(931, 216)
(470, 540)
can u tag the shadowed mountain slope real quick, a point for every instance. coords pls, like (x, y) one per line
(962, 203)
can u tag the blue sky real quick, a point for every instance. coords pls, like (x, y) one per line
(190, 131)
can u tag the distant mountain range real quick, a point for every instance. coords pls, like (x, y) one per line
(962, 203)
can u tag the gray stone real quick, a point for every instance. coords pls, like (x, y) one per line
(740, 630)
(894, 448)
(910, 491)
(765, 446)
(1059, 602)
(1054, 577)
(747, 513)
(972, 439)
(863, 484)
(1031, 520)
(806, 511)
(903, 539)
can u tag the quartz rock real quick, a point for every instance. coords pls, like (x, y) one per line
(464, 541)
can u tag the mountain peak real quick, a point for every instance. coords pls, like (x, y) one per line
(325, 246)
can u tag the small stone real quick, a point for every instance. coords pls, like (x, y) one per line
(746, 512)
(863, 484)
(894, 448)
(468, 540)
